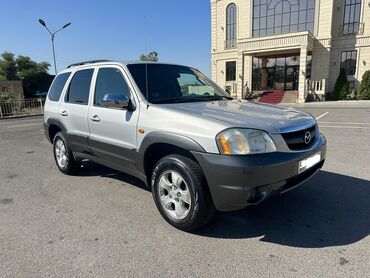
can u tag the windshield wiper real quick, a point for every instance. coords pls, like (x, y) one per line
(215, 97)
(189, 99)
(169, 100)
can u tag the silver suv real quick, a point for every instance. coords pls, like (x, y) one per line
(197, 149)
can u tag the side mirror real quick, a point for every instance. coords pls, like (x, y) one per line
(117, 101)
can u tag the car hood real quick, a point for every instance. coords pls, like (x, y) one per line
(234, 113)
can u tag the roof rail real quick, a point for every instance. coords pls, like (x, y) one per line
(86, 63)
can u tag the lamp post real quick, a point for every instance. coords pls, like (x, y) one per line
(52, 35)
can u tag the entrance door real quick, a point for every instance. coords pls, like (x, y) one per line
(291, 78)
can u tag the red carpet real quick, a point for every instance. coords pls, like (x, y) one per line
(272, 97)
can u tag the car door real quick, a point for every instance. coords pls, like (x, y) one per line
(73, 110)
(113, 138)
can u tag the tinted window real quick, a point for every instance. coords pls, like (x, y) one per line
(171, 83)
(110, 81)
(57, 86)
(79, 87)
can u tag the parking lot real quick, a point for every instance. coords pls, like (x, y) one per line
(102, 223)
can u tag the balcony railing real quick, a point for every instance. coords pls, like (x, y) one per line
(230, 44)
(232, 88)
(353, 28)
(315, 89)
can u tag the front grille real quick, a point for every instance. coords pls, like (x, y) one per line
(296, 140)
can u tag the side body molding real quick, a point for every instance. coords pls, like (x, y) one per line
(160, 137)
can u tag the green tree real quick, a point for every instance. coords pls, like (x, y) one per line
(341, 86)
(151, 57)
(8, 66)
(34, 75)
(364, 92)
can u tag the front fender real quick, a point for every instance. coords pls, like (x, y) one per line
(174, 139)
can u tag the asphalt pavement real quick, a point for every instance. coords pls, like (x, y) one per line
(103, 223)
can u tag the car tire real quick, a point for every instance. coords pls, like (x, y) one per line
(181, 194)
(63, 156)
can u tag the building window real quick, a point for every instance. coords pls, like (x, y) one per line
(348, 61)
(272, 17)
(231, 71)
(351, 21)
(230, 26)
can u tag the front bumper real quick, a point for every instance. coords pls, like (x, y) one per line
(236, 180)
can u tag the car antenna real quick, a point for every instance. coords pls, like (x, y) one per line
(146, 85)
(146, 65)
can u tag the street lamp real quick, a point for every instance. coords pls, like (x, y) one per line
(52, 35)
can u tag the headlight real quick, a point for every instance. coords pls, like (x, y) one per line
(244, 141)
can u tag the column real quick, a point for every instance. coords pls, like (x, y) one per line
(248, 69)
(302, 74)
(239, 75)
(264, 73)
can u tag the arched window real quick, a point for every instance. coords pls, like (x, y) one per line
(271, 17)
(231, 22)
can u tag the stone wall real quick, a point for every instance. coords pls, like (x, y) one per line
(12, 88)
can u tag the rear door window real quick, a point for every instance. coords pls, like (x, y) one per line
(57, 87)
(79, 88)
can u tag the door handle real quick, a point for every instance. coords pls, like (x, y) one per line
(95, 118)
(64, 113)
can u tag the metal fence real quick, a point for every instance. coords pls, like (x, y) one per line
(24, 107)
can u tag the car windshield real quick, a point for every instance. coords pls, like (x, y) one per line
(161, 83)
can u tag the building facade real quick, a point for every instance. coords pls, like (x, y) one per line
(289, 45)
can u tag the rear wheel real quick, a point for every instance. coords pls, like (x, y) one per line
(63, 156)
(180, 193)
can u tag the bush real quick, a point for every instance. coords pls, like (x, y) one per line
(352, 95)
(341, 86)
(364, 92)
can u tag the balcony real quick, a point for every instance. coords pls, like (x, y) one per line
(230, 44)
(356, 28)
(277, 42)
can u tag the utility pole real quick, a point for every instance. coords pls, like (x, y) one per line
(52, 36)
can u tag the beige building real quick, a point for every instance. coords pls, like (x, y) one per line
(294, 46)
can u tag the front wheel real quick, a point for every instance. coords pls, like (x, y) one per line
(180, 193)
(63, 156)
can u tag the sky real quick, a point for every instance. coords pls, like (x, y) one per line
(111, 29)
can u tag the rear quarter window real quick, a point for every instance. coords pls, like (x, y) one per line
(56, 88)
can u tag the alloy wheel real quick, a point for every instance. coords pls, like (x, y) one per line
(174, 194)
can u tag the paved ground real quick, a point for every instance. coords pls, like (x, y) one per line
(104, 224)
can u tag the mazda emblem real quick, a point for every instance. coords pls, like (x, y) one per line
(307, 137)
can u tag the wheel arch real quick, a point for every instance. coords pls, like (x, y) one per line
(53, 127)
(157, 145)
